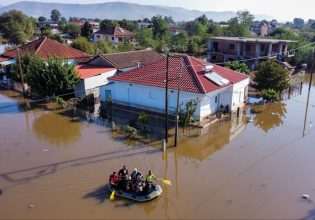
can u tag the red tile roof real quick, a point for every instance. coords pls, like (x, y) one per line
(3, 58)
(184, 70)
(132, 58)
(46, 48)
(116, 31)
(86, 71)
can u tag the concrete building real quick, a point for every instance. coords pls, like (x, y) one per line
(224, 49)
(115, 35)
(212, 86)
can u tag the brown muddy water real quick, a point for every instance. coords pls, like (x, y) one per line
(236, 170)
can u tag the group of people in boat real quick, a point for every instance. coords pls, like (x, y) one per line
(135, 182)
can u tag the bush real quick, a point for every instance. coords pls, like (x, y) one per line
(270, 95)
(58, 100)
(130, 133)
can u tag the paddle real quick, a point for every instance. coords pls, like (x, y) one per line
(167, 182)
(112, 196)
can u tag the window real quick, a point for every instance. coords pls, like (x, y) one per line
(231, 46)
(214, 57)
(113, 38)
(248, 47)
(98, 36)
(216, 99)
(262, 48)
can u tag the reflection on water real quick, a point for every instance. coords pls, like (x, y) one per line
(269, 115)
(56, 129)
(206, 141)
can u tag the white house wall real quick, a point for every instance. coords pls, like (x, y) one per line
(238, 94)
(92, 84)
(147, 97)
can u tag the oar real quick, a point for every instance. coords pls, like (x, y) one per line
(112, 196)
(167, 182)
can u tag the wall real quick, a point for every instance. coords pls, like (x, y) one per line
(90, 84)
(153, 98)
(239, 89)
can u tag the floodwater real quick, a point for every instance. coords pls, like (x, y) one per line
(255, 167)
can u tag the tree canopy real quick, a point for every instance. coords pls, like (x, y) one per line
(238, 66)
(87, 30)
(271, 75)
(55, 15)
(82, 44)
(16, 27)
(51, 77)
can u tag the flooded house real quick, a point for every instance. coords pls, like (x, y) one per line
(125, 61)
(95, 73)
(224, 49)
(211, 86)
(44, 48)
(92, 78)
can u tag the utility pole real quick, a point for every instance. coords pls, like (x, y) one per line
(20, 69)
(176, 116)
(309, 91)
(166, 99)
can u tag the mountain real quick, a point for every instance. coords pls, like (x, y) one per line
(115, 10)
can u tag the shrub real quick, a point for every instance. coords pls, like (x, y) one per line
(270, 95)
(130, 133)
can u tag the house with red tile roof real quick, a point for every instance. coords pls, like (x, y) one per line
(212, 86)
(46, 48)
(125, 61)
(115, 35)
(92, 78)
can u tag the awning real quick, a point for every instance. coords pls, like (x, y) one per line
(7, 62)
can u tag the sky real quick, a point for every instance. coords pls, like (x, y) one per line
(282, 10)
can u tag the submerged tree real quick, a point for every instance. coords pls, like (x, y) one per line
(271, 75)
(51, 77)
(186, 113)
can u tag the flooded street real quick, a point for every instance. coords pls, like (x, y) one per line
(236, 170)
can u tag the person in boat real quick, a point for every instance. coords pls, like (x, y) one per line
(136, 176)
(113, 179)
(123, 172)
(149, 181)
(124, 181)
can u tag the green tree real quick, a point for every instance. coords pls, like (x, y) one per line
(214, 29)
(144, 119)
(55, 15)
(235, 29)
(202, 19)
(193, 46)
(58, 38)
(45, 30)
(160, 27)
(245, 18)
(145, 38)
(51, 77)
(124, 46)
(41, 20)
(82, 44)
(129, 25)
(270, 95)
(179, 42)
(271, 75)
(106, 24)
(186, 113)
(73, 30)
(238, 66)
(102, 47)
(298, 22)
(87, 30)
(16, 27)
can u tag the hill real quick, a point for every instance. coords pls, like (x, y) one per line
(115, 10)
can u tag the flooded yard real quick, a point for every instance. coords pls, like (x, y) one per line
(254, 167)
